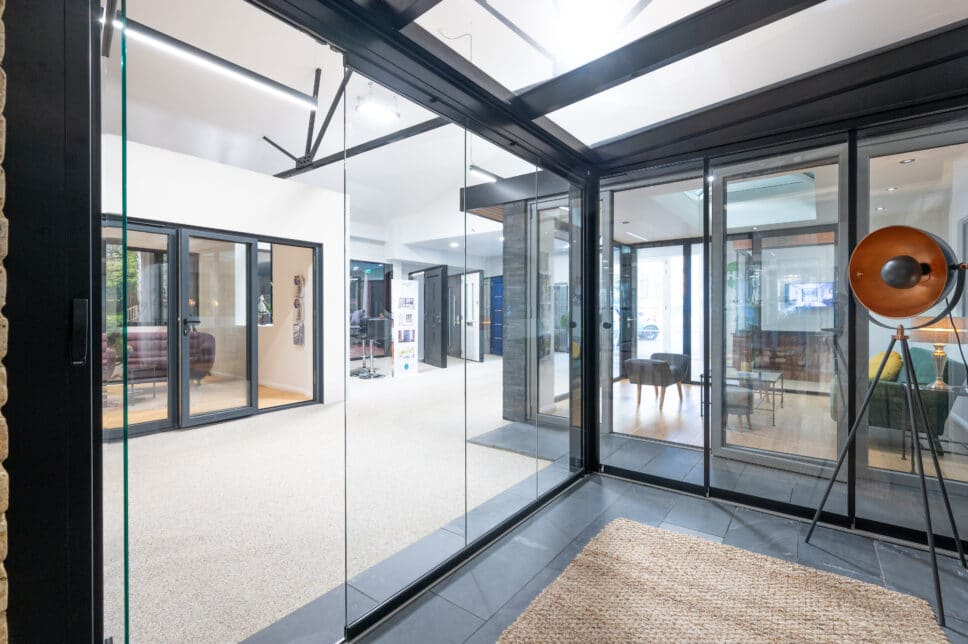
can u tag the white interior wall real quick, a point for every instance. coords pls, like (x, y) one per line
(282, 363)
(180, 189)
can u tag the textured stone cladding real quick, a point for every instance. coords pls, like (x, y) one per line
(4, 230)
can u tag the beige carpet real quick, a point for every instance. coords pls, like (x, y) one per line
(636, 583)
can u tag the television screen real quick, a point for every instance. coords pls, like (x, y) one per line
(810, 295)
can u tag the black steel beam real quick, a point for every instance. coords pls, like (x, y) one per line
(692, 34)
(376, 49)
(311, 152)
(409, 10)
(399, 135)
(912, 75)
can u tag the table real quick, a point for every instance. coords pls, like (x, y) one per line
(765, 382)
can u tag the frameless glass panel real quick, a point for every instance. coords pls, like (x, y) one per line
(916, 179)
(502, 442)
(113, 483)
(235, 498)
(406, 478)
(522, 43)
(776, 417)
(771, 54)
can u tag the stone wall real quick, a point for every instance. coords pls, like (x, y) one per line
(515, 312)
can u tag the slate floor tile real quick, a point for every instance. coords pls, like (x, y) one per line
(701, 514)
(431, 619)
(840, 552)
(763, 533)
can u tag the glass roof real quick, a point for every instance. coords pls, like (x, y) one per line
(520, 43)
(828, 33)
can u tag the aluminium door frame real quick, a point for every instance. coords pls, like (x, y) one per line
(251, 337)
(834, 149)
(174, 337)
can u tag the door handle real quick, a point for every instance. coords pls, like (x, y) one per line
(190, 324)
(80, 320)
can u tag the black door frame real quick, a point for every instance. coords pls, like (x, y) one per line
(174, 268)
(251, 334)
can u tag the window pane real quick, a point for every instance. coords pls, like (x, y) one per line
(771, 54)
(523, 43)
(919, 181)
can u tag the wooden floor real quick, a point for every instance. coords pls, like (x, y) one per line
(803, 428)
(149, 401)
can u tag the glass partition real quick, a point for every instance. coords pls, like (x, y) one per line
(114, 283)
(469, 410)
(233, 460)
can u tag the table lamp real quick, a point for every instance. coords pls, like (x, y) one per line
(939, 334)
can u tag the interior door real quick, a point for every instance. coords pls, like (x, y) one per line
(218, 341)
(435, 339)
(497, 315)
(455, 308)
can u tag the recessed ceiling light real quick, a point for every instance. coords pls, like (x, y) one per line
(710, 178)
(502, 238)
(906, 161)
(880, 208)
(891, 188)
(756, 227)
(454, 245)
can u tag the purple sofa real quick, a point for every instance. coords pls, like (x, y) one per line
(148, 356)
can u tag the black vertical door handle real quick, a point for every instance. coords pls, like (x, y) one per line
(80, 325)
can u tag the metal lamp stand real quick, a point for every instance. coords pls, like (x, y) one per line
(920, 415)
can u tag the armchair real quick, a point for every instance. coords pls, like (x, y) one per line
(660, 370)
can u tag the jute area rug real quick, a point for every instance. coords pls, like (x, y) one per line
(636, 583)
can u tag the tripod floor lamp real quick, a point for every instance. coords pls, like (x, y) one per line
(900, 272)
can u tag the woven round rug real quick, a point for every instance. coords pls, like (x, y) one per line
(636, 583)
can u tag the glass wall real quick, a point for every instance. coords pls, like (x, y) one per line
(919, 179)
(472, 411)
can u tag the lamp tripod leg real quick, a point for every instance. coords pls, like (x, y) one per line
(850, 439)
(916, 453)
(929, 431)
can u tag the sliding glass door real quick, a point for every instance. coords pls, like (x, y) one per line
(779, 248)
(652, 405)
(217, 327)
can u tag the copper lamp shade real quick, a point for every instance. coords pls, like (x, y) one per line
(900, 272)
